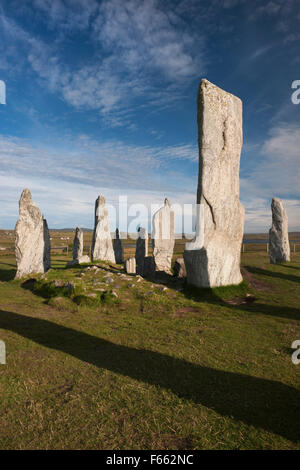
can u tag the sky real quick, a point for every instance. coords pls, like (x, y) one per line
(101, 99)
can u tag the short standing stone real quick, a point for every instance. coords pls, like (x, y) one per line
(102, 248)
(78, 256)
(118, 248)
(141, 250)
(149, 266)
(130, 266)
(278, 235)
(163, 238)
(213, 258)
(179, 268)
(32, 242)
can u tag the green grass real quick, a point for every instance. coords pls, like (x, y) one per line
(149, 368)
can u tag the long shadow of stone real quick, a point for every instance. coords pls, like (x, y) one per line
(265, 272)
(265, 404)
(208, 296)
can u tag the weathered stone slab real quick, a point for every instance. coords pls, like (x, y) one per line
(141, 250)
(279, 246)
(163, 238)
(213, 258)
(130, 266)
(102, 248)
(118, 248)
(32, 242)
(149, 266)
(179, 268)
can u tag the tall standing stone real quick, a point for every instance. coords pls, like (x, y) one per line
(102, 248)
(213, 258)
(32, 242)
(163, 239)
(141, 249)
(279, 245)
(118, 248)
(47, 247)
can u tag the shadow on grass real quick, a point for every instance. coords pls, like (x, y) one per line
(265, 272)
(7, 274)
(210, 296)
(265, 404)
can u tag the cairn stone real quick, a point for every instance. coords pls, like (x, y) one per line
(102, 248)
(78, 256)
(179, 268)
(118, 248)
(213, 257)
(279, 246)
(130, 266)
(141, 250)
(32, 242)
(163, 239)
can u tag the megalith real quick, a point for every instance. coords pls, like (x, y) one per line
(163, 238)
(78, 256)
(213, 257)
(130, 265)
(279, 246)
(32, 240)
(141, 249)
(102, 248)
(118, 248)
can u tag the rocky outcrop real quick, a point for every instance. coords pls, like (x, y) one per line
(32, 242)
(213, 258)
(163, 239)
(279, 246)
(102, 248)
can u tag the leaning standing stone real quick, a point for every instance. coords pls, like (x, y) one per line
(279, 234)
(213, 258)
(118, 248)
(141, 249)
(102, 248)
(32, 242)
(163, 238)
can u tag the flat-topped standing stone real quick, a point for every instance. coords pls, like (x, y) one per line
(141, 249)
(130, 266)
(278, 233)
(163, 238)
(118, 248)
(32, 242)
(102, 248)
(213, 258)
(78, 256)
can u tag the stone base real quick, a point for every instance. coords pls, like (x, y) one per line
(213, 268)
(81, 260)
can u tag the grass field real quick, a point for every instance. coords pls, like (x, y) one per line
(149, 368)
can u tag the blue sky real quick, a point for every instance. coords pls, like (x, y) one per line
(101, 99)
